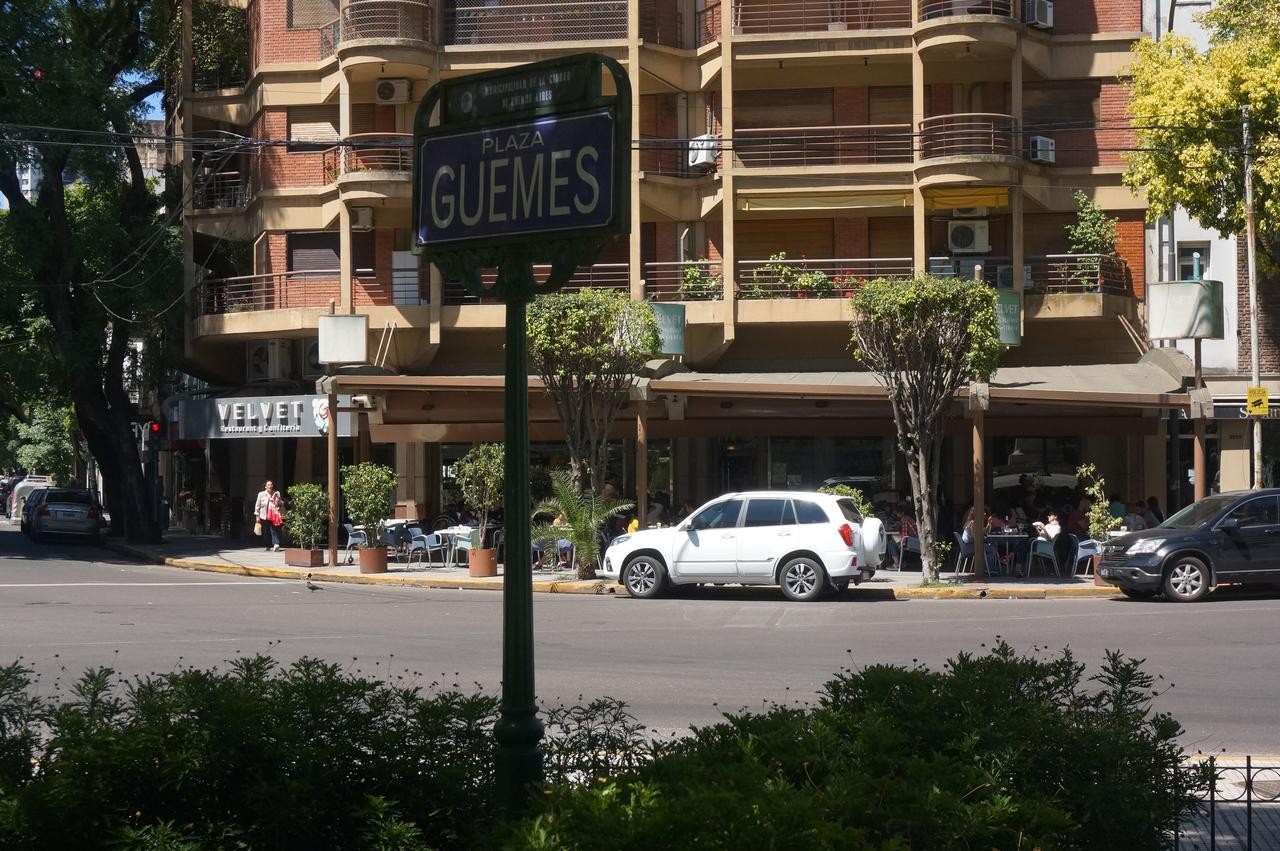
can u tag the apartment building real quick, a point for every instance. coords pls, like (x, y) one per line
(774, 140)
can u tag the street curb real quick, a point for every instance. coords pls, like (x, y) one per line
(568, 586)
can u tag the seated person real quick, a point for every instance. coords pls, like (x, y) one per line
(1134, 520)
(908, 540)
(563, 546)
(967, 541)
(1049, 529)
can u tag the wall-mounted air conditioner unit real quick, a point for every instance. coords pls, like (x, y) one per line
(968, 236)
(361, 218)
(1042, 149)
(267, 361)
(392, 90)
(311, 366)
(969, 213)
(703, 151)
(1040, 14)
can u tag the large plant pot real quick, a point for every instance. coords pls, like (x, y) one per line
(298, 557)
(1097, 578)
(373, 559)
(482, 562)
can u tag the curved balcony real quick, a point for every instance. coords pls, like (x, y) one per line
(521, 22)
(759, 17)
(968, 134)
(274, 291)
(371, 165)
(785, 147)
(950, 29)
(931, 10)
(385, 21)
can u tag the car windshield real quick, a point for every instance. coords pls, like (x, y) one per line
(1198, 513)
(70, 497)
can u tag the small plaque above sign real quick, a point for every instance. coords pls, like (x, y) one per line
(518, 91)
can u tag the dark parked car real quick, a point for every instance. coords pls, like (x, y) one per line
(1228, 537)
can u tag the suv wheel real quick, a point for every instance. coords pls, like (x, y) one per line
(644, 577)
(802, 579)
(1187, 580)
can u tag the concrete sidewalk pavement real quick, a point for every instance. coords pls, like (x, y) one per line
(221, 555)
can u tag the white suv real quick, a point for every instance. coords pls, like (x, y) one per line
(807, 543)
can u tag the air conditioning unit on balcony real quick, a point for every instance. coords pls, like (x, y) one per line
(361, 218)
(969, 213)
(392, 90)
(267, 361)
(1040, 14)
(1004, 277)
(703, 151)
(1042, 149)
(311, 366)
(968, 236)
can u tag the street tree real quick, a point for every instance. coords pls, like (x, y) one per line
(98, 254)
(925, 338)
(587, 347)
(1187, 109)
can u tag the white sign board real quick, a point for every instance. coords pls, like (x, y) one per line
(1185, 310)
(344, 338)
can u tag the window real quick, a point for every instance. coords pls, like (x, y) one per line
(1256, 512)
(722, 515)
(310, 14)
(1187, 260)
(313, 124)
(810, 512)
(319, 251)
(765, 512)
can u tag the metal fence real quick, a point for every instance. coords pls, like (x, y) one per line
(1241, 809)
(965, 134)
(930, 9)
(785, 16)
(685, 280)
(516, 22)
(408, 20)
(805, 146)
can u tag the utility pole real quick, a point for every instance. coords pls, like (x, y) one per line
(1251, 251)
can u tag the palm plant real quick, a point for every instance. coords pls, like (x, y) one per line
(584, 512)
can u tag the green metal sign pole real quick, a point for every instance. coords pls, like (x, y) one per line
(518, 730)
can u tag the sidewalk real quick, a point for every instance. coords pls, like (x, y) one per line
(221, 555)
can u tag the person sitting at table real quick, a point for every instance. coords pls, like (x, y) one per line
(896, 548)
(967, 541)
(1134, 520)
(1078, 520)
(563, 545)
(1049, 529)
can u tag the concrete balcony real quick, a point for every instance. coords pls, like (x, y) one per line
(687, 280)
(771, 17)
(932, 10)
(808, 279)
(968, 134)
(375, 34)
(372, 166)
(799, 147)
(522, 22)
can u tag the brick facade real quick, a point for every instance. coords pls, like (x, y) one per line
(1078, 17)
(277, 166)
(1268, 316)
(271, 39)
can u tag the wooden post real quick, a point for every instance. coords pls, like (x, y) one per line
(332, 464)
(979, 480)
(642, 463)
(1198, 462)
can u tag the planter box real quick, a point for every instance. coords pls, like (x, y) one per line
(373, 559)
(297, 557)
(481, 563)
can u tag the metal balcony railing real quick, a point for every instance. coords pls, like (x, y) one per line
(601, 276)
(274, 291)
(364, 152)
(684, 280)
(671, 157)
(810, 278)
(1081, 273)
(408, 20)
(803, 146)
(967, 134)
(518, 22)
(666, 30)
(213, 79)
(782, 16)
(219, 190)
(932, 9)
(706, 24)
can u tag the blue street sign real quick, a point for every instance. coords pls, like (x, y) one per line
(539, 176)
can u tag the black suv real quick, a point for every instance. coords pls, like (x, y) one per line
(1227, 537)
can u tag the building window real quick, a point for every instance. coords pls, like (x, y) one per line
(319, 251)
(310, 14)
(1186, 260)
(313, 124)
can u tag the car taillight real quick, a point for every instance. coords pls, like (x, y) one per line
(846, 532)
(44, 511)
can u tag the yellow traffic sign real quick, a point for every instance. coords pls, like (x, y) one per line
(1257, 402)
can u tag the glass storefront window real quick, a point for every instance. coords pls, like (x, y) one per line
(804, 463)
(1044, 465)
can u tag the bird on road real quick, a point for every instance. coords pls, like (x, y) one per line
(311, 586)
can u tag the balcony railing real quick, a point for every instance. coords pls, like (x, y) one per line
(706, 23)
(671, 157)
(685, 280)
(658, 28)
(511, 22)
(600, 276)
(408, 20)
(967, 134)
(932, 9)
(212, 79)
(364, 152)
(784, 16)
(275, 291)
(219, 190)
(1081, 273)
(802, 146)
(809, 278)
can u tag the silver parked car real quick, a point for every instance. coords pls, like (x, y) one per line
(64, 511)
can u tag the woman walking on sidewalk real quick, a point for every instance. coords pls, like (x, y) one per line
(267, 509)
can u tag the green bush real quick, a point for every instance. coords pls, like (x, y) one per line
(367, 489)
(480, 475)
(308, 515)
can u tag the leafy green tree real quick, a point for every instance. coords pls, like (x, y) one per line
(587, 347)
(47, 443)
(308, 515)
(925, 338)
(1187, 105)
(367, 489)
(99, 258)
(584, 513)
(1093, 231)
(480, 477)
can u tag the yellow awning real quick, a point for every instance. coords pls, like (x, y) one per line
(976, 196)
(823, 203)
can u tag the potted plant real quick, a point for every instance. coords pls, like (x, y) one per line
(584, 513)
(698, 284)
(1092, 237)
(813, 284)
(1099, 516)
(306, 522)
(367, 489)
(479, 475)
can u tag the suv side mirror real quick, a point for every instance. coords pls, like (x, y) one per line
(1229, 524)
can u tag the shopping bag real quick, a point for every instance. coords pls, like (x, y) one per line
(257, 527)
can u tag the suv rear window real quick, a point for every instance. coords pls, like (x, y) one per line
(810, 512)
(70, 497)
(849, 511)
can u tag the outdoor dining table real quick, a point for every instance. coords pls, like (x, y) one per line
(1004, 543)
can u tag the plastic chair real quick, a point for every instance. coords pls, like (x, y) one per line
(961, 558)
(500, 543)
(467, 539)
(1044, 551)
(425, 545)
(1085, 551)
(355, 538)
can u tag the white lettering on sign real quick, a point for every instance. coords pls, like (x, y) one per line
(263, 417)
(475, 192)
(588, 178)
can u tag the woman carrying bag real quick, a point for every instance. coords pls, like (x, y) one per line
(266, 508)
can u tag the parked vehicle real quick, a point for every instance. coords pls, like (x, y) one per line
(64, 511)
(807, 543)
(1224, 538)
(22, 489)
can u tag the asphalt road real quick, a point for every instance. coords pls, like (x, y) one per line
(65, 607)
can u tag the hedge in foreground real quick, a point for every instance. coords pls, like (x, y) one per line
(998, 751)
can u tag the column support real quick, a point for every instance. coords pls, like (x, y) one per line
(332, 465)
(920, 232)
(1198, 456)
(642, 462)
